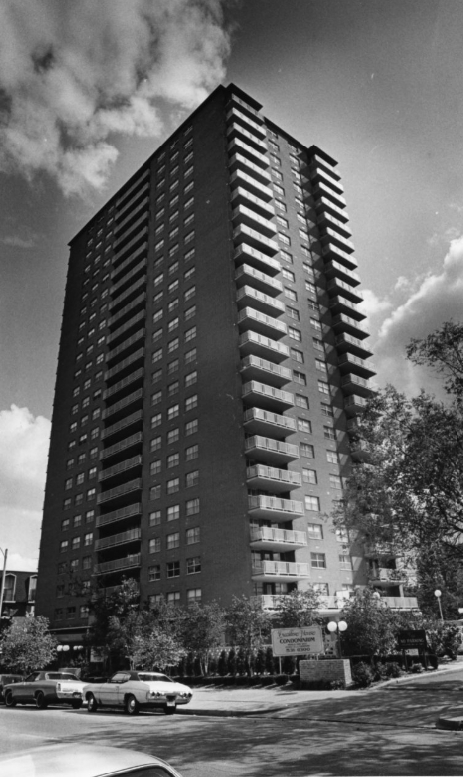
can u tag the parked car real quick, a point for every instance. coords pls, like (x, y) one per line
(8, 679)
(84, 761)
(44, 688)
(136, 690)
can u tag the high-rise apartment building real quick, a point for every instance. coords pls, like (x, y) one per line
(211, 365)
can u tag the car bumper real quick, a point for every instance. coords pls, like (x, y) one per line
(70, 697)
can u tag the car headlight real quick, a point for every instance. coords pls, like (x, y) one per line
(154, 695)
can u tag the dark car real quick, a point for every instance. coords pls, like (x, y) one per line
(8, 679)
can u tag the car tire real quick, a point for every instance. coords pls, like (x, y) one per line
(169, 710)
(10, 701)
(77, 704)
(92, 704)
(40, 701)
(132, 706)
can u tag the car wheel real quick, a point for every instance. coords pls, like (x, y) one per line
(10, 701)
(77, 704)
(92, 703)
(40, 701)
(132, 706)
(169, 710)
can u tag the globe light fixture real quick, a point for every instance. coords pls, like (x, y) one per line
(438, 594)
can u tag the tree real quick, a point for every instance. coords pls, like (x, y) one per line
(203, 629)
(120, 604)
(248, 626)
(155, 650)
(371, 626)
(27, 645)
(298, 608)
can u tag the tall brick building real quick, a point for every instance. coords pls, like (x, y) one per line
(212, 363)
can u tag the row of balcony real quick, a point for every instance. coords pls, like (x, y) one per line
(279, 571)
(260, 280)
(127, 263)
(254, 367)
(327, 603)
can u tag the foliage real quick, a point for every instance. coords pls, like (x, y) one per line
(247, 624)
(120, 604)
(371, 626)
(439, 567)
(203, 629)
(442, 350)
(298, 608)
(155, 650)
(27, 645)
(362, 675)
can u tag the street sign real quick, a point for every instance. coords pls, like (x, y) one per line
(412, 638)
(297, 641)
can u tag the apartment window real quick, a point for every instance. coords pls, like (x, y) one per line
(190, 312)
(157, 299)
(318, 560)
(172, 345)
(312, 503)
(154, 573)
(344, 561)
(191, 402)
(88, 538)
(173, 597)
(189, 293)
(193, 535)
(155, 467)
(84, 420)
(192, 507)
(190, 356)
(172, 367)
(320, 365)
(65, 524)
(315, 323)
(290, 294)
(191, 452)
(158, 246)
(301, 401)
(173, 305)
(155, 444)
(281, 206)
(189, 220)
(172, 412)
(282, 222)
(342, 535)
(326, 410)
(156, 398)
(156, 420)
(317, 344)
(310, 287)
(71, 613)
(190, 235)
(191, 378)
(309, 476)
(173, 512)
(87, 562)
(191, 427)
(68, 484)
(157, 316)
(74, 565)
(172, 486)
(156, 356)
(278, 189)
(297, 355)
(188, 203)
(78, 499)
(193, 565)
(191, 253)
(323, 387)
(156, 376)
(285, 239)
(75, 543)
(299, 377)
(335, 481)
(192, 478)
(190, 334)
(155, 492)
(329, 433)
(89, 516)
(294, 334)
(172, 388)
(321, 588)
(70, 463)
(173, 460)
(172, 436)
(275, 159)
(306, 451)
(293, 313)
(173, 568)
(189, 273)
(173, 268)
(303, 234)
(75, 409)
(157, 335)
(276, 174)
(193, 595)
(304, 426)
(154, 545)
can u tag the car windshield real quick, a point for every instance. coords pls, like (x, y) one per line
(148, 677)
(61, 676)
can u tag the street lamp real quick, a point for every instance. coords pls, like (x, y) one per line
(438, 594)
(2, 590)
(339, 627)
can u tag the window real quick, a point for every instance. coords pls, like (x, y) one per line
(326, 410)
(321, 588)
(172, 367)
(155, 518)
(74, 565)
(191, 402)
(156, 398)
(173, 460)
(301, 401)
(173, 597)
(306, 451)
(304, 426)
(59, 592)
(299, 377)
(342, 535)
(312, 503)
(190, 235)
(193, 565)
(285, 239)
(155, 492)
(190, 312)
(335, 481)
(191, 378)
(75, 543)
(155, 467)
(192, 536)
(317, 343)
(173, 512)
(318, 560)
(173, 568)
(155, 444)
(190, 334)
(191, 253)
(156, 376)
(276, 174)
(309, 476)
(156, 336)
(320, 365)
(329, 433)
(172, 486)
(83, 611)
(88, 538)
(68, 484)
(282, 222)
(191, 452)
(193, 595)
(154, 545)
(294, 334)
(189, 293)
(172, 388)
(189, 273)
(156, 356)
(323, 387)
(154, 599)
(157, 316)
(172, 412)
(315, 323)
(89, 516)
(278, 189)
(154, 573)
(156, 420)
(297, 355)
(293, 313)
(65, 524)
(281, 205)
(172, 345)
(191, 427)
(190, 356)
(192, 478)
(78, 499)
(192, 507)
(172, 436)
(344, 561)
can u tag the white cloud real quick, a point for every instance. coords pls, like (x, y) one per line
(372, 305)
(438, 298)
(17, 562)
(74, 74)
(18, 242)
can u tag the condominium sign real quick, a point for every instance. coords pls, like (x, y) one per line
(297, 641)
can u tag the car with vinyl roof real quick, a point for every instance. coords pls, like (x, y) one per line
(135, 690)
(43, 688)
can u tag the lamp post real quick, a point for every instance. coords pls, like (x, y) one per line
(438, 594)
(2, 590)
(337, 627)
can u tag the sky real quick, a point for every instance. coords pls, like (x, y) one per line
(89, 90)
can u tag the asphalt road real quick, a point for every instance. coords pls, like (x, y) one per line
(385, 732)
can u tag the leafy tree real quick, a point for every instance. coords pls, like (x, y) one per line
(154, 649)
(222, 666)
(248, 625)
(27, 645)
(203, 629)
(120, 605)
(371, 626)
(298, 608)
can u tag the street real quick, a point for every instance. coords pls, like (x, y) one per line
(388, 731)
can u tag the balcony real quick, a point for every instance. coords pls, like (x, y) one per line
(334, 269)
(117, 288)
(123, 424)
(123, 199)
(130, 511)
(331, 251)
(120, 492)
(127, 310)
(348, 362)
(379, 550)
(279, 571)
(247, 295)
(244, 215)
(327, 163)
(248, 182)
(244, 234)
(281, 540)
(352, 384)
(249, 318)
(359, 451)
(240, 162)
(246, 274)
(400, 602)
(267, 397)
(268, 450)
(135, 440)
(322, 176)
(274, 508)
(245, 253)
(341, 304)
(132, 202)
(129, 362)
(133, 209)
(385, 576)
(132, 535)
(267, 601)
(349, 344)
(122, 330)
(129, 562)
(336, 286)
(272, 479)
(122, 466)
(354, 405)
(348, 325)
(130, 236)
(134, 289)
(125, 265)
(255, 368)
(238, 130)
(324, 205)
(330, 235)
(135, 399)
(122, 253)
(327, 220)
(238, 148)
(320, 189)
(121, 385)
(252, 343)
(246, 107)
(234, 115)
(258, 421)
(242, 197)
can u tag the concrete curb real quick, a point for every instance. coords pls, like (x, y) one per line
(221, 713)
(451, 719)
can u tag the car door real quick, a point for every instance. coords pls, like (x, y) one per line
(124, 688)
(25, 690)
(109, 692)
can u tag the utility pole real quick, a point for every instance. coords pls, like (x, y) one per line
(2, 590)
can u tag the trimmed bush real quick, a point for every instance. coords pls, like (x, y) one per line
(281, 679)
(362, 675)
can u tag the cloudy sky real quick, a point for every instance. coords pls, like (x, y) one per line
(88, 90)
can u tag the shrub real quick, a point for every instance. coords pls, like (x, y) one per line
(222, 664)
(362, 675)
(281, 679)
(393, 670)
(337, 685)
(417, 668)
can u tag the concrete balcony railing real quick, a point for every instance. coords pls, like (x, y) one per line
(139, 182)
(246, 107)
(122, 466)
(134, 357)
(279, 570)
(267, 396)
(323, 204)
(137, 319)
(120, 515)
(349, 325)
(132, 535)
(259, 421)
(240, 178)
(337, 286)
(241, 147)
(260, 345)
(256, 367)
(269, 450)
(265, 303)
(348, 344)
(353, 384)
(129, 204)
(388, 576)
(120, 491)
(321, 189)
(247, 254)
(266, 537)
(127, 278)
(133, 208)
(332, 251)
(250, 318)
(243, 197)
(134, 228)
(236, 128)
(137, 285)
(140, 300)
(234, 114)
(118, 447)
(134, 560)
(272, 478)
(134, 397)
(272, 506)
(126, 345)
(133, 418)
(244, 234)
(239, 162)
(122, 384)
(332, 235)
(127, 263)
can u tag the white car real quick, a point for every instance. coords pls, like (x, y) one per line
(44, 688)
(136, 690)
